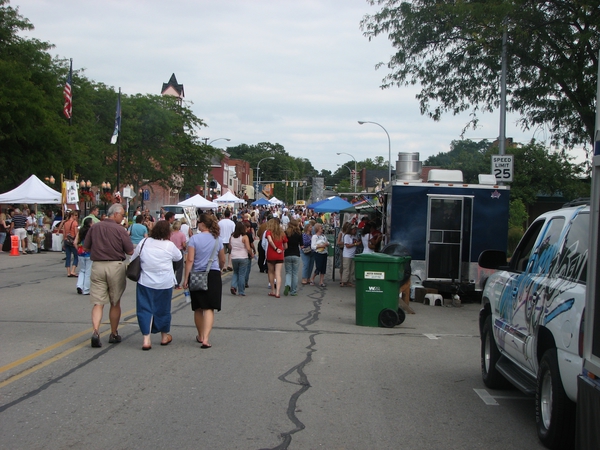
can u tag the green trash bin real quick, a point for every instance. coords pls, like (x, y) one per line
(378, 278)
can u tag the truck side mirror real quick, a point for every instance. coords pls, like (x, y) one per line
(492, 259)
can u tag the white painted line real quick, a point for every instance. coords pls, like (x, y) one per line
(486, 397)
(430, 336)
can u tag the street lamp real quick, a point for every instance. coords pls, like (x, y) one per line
(225, 139)
(257, 175)
(355, 172)
(349, 170)
(389, 148)
(206, 174)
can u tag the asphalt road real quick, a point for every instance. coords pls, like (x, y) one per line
(294, 373)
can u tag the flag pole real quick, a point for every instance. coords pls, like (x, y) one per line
(119, 147)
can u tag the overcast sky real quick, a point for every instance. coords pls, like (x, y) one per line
(298, 73)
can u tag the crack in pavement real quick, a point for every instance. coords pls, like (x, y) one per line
(301, 380)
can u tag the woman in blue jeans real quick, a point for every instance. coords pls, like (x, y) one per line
(239, 247)
(292, 257)
(307, 255)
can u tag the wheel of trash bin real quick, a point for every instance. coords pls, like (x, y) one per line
(401, 316)
(388, 318)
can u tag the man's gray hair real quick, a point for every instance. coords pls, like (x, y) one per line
(115, 208)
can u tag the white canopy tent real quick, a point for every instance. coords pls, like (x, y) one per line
(32, 190)
(275, 201)
(229, 197)
(199, 202)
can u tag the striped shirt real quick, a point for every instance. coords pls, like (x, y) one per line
(19, 221)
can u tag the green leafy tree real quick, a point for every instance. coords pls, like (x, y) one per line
(453, 51)
(32, 128)
(280, 169)
(539, 171)
(158, 143)
(472, 158)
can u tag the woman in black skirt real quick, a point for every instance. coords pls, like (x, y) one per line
(200, 249)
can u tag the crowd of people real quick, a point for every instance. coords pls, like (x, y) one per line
(98, 248)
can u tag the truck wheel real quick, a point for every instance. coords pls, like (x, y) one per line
(554, 411)
(489, 357)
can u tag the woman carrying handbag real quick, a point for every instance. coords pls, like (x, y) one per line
(200, 249)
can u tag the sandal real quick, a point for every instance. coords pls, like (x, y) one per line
(169, 339)
(322, 285)
(312, 283)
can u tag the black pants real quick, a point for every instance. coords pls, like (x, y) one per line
(262, 263)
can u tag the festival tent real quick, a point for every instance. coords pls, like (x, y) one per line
(334, 204)
(275, 201)
(261, 202)
(199, 202)
(32, 190)
(228, 197)
(320, 202)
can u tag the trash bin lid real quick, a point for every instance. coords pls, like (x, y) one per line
(380, 258)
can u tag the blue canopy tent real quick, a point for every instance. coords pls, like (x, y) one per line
(320, 202)
(334, 204)
(261, 202)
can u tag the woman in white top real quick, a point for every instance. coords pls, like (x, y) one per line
(239, 247)
(366, 237)
(350, 244)
(155, 287)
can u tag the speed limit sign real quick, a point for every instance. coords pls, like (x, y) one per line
(502, 167)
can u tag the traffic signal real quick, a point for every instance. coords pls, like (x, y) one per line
(213, 184)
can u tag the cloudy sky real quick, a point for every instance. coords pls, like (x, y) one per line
(294, 72)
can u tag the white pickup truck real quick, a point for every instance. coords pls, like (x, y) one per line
(531, 321)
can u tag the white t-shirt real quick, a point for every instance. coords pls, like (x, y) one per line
(157, 263)
(227, 227)
(349, 252)
(185, 229)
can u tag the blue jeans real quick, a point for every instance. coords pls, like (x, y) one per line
(292, 264)
(238, 279)
(308, 261)
(71, 250)
(248, 270)
(85, 272)
(2, 238)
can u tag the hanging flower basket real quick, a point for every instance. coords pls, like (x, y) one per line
(86, 197)
(106, 197)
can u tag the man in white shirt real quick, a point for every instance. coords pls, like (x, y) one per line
(227, 227)
(285, 219)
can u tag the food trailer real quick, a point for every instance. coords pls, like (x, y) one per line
(445, 224)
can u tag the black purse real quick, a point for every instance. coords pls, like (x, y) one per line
(134, 269)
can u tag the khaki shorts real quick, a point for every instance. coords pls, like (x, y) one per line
(108, 282)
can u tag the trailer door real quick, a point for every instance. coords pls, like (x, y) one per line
(446, 221)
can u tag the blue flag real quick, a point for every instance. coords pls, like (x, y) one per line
(115, 135)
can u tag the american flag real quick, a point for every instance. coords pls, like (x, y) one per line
(68, 108)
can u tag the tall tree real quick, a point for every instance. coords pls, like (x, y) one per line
(453, 50)
(158, 143)
(32, 128)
